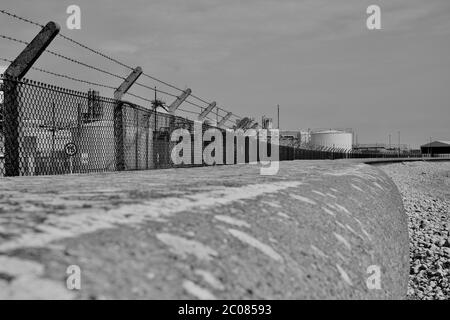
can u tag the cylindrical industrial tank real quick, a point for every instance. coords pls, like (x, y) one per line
(332, 139)
(95, 142)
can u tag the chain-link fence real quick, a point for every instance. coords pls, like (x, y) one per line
(51, 130)
(46, 130)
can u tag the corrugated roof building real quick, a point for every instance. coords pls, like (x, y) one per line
(436, 148)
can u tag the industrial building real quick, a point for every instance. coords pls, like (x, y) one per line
(266, 123)
(293, 135)
(295, 138)
(436, 149)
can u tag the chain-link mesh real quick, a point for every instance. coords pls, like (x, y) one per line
(46, 130)
(50, 130)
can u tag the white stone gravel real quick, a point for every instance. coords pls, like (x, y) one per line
(425, 188)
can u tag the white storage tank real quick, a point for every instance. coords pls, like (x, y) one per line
(332, 139)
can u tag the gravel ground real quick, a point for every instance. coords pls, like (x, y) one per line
(425, 188)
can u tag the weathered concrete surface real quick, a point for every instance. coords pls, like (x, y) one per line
(226, 232)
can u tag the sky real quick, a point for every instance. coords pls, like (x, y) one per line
(315, 58)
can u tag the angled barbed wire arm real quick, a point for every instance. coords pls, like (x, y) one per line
(15, 72)
(205, 112)
(119, 128)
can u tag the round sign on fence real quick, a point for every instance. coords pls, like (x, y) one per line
(71, 149)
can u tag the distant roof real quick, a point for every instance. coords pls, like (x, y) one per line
(289, 132)
(435, 144)
(330, 131)
(372, 145)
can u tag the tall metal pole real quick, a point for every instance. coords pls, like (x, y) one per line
(399, 144)
(278, 108)
(429, 148)
(155, 106)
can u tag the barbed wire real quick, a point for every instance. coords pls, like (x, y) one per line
(107, 72)
(56, 54)
(103, 85)
(12, 15)
(194, 104)
(61, 56)
(68, 39)
(169, 94)
(74, 79)
(13, 39)
(100, 54)
(92, 67)
(65, 76)
(200, 99)
(138, 97)
(109, 87)
(187, 111)
(21, 18)
(174, 87)
(161, 81)
(96, 52)
(100, 70)
(113, 88)
(154, 89)
(179, 109)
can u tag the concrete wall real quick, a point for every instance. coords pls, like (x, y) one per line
(316, 230)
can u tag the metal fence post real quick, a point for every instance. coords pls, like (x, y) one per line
(11, 127)
(119, 136)
(118, 117)
(136, 156)
(15, 72)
